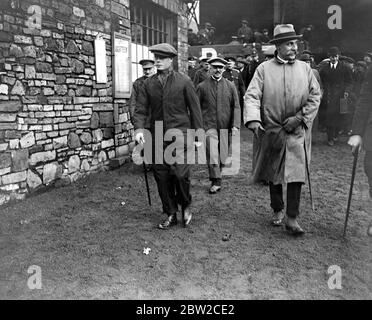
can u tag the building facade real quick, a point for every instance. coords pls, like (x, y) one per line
(66, 70)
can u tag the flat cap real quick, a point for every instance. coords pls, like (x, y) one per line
(368, 54)
(217, 61)
(164, 50)
(228, 58)
(204, 59)
(244, 21)
(147, 63)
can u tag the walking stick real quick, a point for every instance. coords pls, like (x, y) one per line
(308, 178)
(145, 173)
(355, 153)
(147, 182)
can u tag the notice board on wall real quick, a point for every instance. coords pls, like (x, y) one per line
(122, 65)
(100, 55)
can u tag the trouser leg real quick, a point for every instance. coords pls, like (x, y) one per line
(368, 169)
(276, 197)
(213, 157)
(166, 188)
(181, 178)
(331, 133)
(293, 199)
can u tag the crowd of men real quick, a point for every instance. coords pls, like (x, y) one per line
(278, 99)
(245, 34)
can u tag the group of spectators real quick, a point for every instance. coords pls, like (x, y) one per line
(244, 35)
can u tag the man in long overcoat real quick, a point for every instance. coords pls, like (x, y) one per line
(279, 106)
(362, 130)
(170, 100)
(337, 82)
(221, 116)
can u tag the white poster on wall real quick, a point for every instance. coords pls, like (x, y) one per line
(122, 65)
(100, 55)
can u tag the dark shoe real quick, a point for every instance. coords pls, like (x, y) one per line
(214, 189)
(294, 231)
(186, 216)
(277, 219)
(169, 222)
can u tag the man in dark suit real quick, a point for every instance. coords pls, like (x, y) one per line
(169, 100)
(362, 130)
(234, 76)
(221, 115)
(337, 82)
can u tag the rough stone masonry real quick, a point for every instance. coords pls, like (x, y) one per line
(57, 123)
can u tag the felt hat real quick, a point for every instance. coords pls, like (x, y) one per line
(284, 32)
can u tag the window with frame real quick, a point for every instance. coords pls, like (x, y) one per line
(150, 25)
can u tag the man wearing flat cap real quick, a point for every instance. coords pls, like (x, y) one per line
(280, 105)
(170, 100)
(221, 116)
(203, 72)
(148, 67)
(337, 82)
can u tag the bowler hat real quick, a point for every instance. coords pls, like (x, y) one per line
(304, 57)
(308, 52)
(284, 32)
(147, 63)
(368, 54)
(217, 61)
(333, 51)
(164, 49)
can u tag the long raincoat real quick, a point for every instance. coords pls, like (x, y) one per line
(278, 91)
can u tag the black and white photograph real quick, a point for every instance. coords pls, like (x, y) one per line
(185, 155)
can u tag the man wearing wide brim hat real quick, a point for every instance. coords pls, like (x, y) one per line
(280, 105)
(283, 33)
(221, 110)
(170, 101)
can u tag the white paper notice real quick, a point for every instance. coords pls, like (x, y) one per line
(101, 69)
(122, 66)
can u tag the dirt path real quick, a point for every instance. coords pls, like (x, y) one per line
(90, 246)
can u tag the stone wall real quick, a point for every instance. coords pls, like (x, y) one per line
(57, 123)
